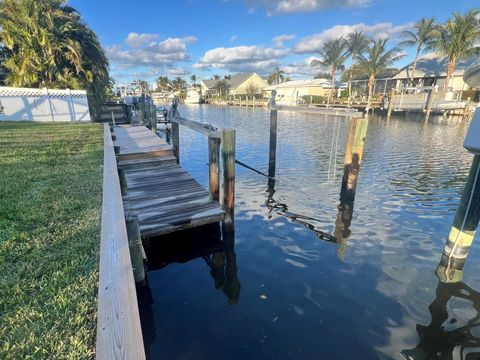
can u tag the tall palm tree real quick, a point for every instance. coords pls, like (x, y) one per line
(194, 79)
(216, 77)
(458, 39)
(356, 44)
(221, 86)
(50, 46)
(377, 59)
(422, 35)
(277, 76)
(334, 55)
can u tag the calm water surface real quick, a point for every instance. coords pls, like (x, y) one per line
(281, 291)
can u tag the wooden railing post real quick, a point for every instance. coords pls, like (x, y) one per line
(213, 165)
(136, 248)
(228, 173)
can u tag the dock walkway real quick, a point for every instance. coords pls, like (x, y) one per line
(162, 194)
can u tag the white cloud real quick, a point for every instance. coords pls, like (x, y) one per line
(274, 7)
(302, 69)
(279, 40)
(142, 50)
(312, 43)
(136, 40)
(233, 38)
(178, 71)
(241, 58)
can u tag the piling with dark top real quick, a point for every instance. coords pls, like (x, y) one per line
(213, 165)
(116, 149)
(228, 173)
(463, 230)
(136, 248)
(272, 157)
(154, 119)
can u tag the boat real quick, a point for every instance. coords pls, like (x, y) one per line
(193, 97)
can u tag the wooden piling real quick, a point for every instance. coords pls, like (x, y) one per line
(463, 230)
(390, 103)
(273, 129)
(154, 120)
(123, 181)
(213, 165)
(116, 149)
(228, 173)
(141, 106)
(136, 248)
(176, 140)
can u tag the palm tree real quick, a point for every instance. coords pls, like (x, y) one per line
(221, 86)
(216, 77)
(356, 44)
(458, 39)
(376, 60)
(422, 35)
(333, 55)
(277, 76)
(194, 79)
(49, 45)
(163, 83)
(179, 83)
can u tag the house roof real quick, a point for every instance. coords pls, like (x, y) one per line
(434, 65)
(233, 83)
(323, 83)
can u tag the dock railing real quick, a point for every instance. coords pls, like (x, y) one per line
(219, 142)
(119, 334)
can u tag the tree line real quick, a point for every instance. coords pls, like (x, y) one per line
(456, 39)
(46, 43)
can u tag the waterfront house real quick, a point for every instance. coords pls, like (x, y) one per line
(432, 71)
(295, 92)
(237, 85)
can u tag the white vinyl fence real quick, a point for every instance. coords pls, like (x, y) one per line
(17, 104)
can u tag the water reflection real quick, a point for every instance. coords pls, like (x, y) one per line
(454, 330)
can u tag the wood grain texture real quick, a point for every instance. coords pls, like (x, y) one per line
(119, 335)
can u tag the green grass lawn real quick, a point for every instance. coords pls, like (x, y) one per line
(50, 209)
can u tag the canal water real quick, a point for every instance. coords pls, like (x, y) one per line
(280, 287)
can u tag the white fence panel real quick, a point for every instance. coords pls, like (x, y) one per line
(17, 104)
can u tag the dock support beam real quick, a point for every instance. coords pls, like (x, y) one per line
(213, 166)
(228, 174)
(463, 230)
(136, 248)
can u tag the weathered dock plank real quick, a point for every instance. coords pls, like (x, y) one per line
(163, 196)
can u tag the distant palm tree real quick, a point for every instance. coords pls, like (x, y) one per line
(376, 60)
(422, 35)
(179, 83)
(458, 39)
(194, 79)
(163, 83)
(333, 55)
(277, 77)
(356, 44)
(221, 86)
(216, 77)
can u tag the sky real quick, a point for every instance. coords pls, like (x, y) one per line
(146, 39)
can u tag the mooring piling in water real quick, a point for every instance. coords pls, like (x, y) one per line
(463, 230)
(136, 248)
(228, 173)
(272, 155)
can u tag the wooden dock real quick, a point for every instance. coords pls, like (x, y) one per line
(163, 196)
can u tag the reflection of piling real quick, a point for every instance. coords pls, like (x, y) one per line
(228, 173)
(232, 284)
(353, 160)
(442, 339)
(273, 132)
(463, 230)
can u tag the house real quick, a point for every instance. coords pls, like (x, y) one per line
(241, 84)
(207, 88)
(293, 92)
(431, 70)
(238, 85)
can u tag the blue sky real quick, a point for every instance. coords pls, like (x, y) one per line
(146, 39)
